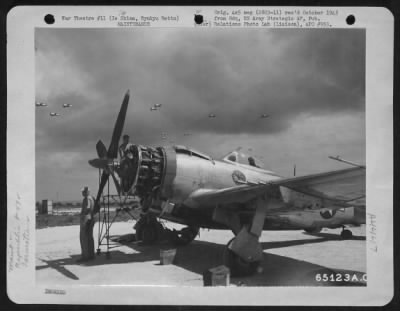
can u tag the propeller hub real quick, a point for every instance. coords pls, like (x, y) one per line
(106, 157)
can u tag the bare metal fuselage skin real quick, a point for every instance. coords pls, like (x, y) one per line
(180, 172)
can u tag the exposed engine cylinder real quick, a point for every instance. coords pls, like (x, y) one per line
(148, 172)
(150, 164)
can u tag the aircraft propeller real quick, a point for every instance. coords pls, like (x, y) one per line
(106, 157)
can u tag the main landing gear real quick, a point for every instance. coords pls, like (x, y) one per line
(150, 231)
(244, 254)
(313, 230)
(346, 234)
(237, 265)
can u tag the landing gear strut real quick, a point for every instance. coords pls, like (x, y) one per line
(346, 234)
(244, 254)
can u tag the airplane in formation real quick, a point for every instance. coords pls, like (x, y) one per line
(155, 107)
(67, 105)
(40, 104)
(211, 115)
(264, 115)
(185, 186)
(54, 114)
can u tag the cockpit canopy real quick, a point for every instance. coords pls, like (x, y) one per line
(243, 158)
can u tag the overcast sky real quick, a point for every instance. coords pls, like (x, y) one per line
(310, 82)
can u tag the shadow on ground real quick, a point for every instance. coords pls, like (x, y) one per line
(200, 256)
(59, 265)
(332, 236)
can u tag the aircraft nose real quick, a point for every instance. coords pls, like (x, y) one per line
(142, 169)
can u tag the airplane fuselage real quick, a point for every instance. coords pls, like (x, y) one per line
(177, 172)
(193, 173)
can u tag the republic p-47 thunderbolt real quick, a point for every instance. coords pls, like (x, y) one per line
(185, 186)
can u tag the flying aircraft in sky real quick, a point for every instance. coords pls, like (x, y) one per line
(54, 114)
(236, 193)
(67, 105)
(211, 115)
(153, 108)
(264, 115)
(40, 104)
(157, 105)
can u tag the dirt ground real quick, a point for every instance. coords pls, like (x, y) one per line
(290, 258)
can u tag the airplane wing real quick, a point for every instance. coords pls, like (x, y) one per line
(342, 187)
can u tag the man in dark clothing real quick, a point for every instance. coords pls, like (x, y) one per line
(125, 146)
(126, 163)
(87, 224)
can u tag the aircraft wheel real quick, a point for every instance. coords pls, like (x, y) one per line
(313, 230)
(184, 236)
(239, 267)
(346, 234)
(148, 233)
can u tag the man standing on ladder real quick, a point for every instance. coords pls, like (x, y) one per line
(87, 224)
(126, 157)
(125, 146)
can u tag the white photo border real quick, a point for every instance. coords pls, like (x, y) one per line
(21, 285)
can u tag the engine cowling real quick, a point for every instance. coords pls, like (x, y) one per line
(148, 172)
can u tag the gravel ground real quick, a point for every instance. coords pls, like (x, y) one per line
(290, 258)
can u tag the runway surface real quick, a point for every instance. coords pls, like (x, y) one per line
(291, 258)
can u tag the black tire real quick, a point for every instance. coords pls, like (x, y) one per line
(313, 230)
(184, 236)
(346, 234)
(148, 232)
(138, 229)
(239, 267)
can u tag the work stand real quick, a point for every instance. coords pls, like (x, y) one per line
(109, 204)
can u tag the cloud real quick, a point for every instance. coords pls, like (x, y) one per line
(280, 72)
(308, 142)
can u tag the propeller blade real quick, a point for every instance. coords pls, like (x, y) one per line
(101, 149)
(99, 163)
(103, 181)
(117, 185)
(119, 125)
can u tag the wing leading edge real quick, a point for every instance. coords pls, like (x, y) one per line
(341, 187)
